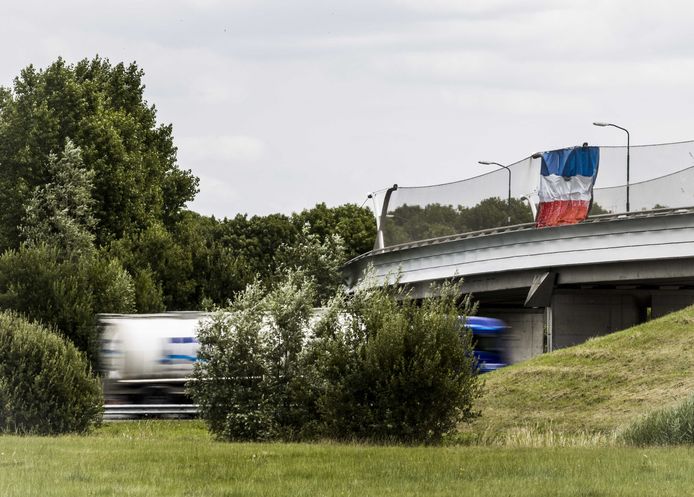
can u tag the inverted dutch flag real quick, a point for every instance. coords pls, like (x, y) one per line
(566, 185)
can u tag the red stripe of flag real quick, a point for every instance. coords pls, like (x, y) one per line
(560, 212)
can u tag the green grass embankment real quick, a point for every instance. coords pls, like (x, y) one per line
(595, 387)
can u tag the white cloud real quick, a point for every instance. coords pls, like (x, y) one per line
(221, 149)
(324, 100)
(516, 102)
(479, 7)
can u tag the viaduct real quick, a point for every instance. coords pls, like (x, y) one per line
(556, 286)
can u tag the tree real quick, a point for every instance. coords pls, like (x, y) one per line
(493, 213)
(57, 276)
(59, 212)
(101, 108)
(46, 385)
(409, 223)
(191, 263)
(320, 262)
(156, 260)
(257, 239)
(219, 271)
(392, 368)
(597, 209)
(64, 293)
(376, 365)
(355, 225)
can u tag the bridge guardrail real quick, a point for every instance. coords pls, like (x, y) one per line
(520, 227)
(658, 236)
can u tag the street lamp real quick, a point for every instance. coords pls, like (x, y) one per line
(627, 132)
(488, 163)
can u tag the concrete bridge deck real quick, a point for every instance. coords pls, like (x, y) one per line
(556, 286)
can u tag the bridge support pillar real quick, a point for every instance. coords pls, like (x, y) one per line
(525, 336)
(576, 315)
(667, 301)
(548, 330)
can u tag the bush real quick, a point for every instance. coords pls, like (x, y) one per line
(395, 369)
(46, 386)
(64, 293)
(249, 362)
(374, 366)
(671, 426)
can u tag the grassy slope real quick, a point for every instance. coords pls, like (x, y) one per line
(596, 386)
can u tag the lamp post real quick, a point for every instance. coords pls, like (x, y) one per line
(627, 132)
(488, 163)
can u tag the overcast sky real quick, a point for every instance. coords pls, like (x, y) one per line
(278, 105)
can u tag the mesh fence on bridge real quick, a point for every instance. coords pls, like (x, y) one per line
(660, 176)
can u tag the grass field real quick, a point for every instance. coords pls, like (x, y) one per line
(595, 387)
(179, 459)
(547, 428)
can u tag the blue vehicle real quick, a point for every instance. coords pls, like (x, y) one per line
(487, 336)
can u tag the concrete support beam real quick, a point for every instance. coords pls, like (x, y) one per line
(478, 284)
(656, 271)
(540, 293)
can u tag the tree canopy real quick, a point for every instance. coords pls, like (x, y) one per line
(93, 217)
(101, 108)
(60, 212)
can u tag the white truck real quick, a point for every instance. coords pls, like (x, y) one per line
(147, 358)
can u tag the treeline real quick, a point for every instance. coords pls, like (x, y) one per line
(201, 260)
(93, 211)
(408, 223)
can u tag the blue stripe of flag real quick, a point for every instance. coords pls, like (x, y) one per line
(575, 161)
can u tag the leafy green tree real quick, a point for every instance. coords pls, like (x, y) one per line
(355, 225)
(191, 263)
(201, 259)
(149, 295)
(376, 365)
(101, 108)
(288, 308)
(321, 262)
(217, 270)
(409, 223)
(596, 209)
(156, 260)
(57, 276)
(258, 245)
(220, 271)
(257, 239)
(493, 213)
(59, 212)
(64, 293)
